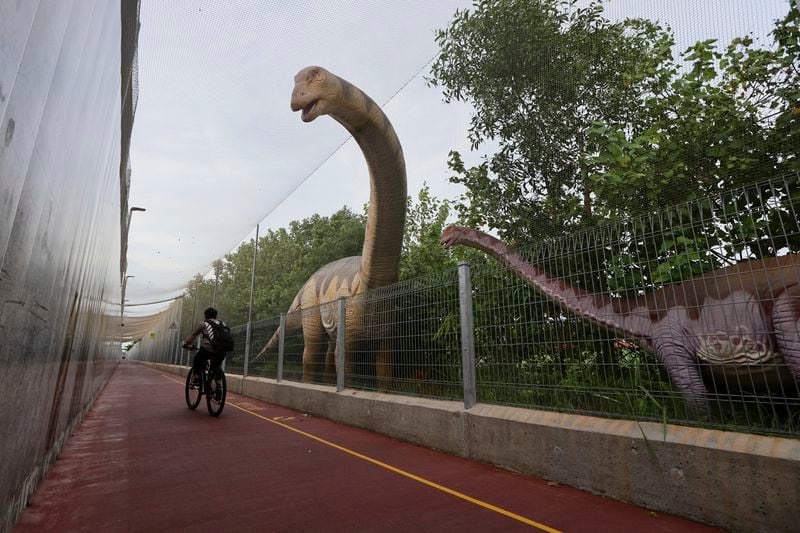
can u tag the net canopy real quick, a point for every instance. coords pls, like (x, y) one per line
(216, 147)
(217, 150)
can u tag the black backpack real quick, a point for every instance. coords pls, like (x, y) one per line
(221, 340)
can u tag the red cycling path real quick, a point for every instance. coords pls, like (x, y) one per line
(142, 461)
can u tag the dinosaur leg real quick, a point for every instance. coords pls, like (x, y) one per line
(786, 321)
(315, 340)
(683, 370)
(330, 361)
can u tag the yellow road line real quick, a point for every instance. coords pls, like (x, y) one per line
(396, 470)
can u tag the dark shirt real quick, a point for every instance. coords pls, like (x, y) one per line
(205, 329)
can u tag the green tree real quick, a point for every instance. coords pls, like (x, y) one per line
(721, 126)
(192, 305)
(536, 85)
(599, 122)
(425, 220)
(286, 259)
(711, 121)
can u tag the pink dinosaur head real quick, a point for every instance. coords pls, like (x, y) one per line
(452, 235)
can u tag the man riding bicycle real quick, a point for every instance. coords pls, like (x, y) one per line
(209, 329)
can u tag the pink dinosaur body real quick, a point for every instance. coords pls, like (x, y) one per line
(737, 325)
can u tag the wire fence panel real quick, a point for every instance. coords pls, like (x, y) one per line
(264, 348)
(672, 277)
(234, 361)
(686, 315)
(530, 353)
(293, 347)
(309, 345)
(405, 338)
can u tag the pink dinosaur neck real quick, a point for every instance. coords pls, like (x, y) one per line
(598, 308)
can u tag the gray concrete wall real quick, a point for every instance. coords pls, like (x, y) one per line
(736, 481)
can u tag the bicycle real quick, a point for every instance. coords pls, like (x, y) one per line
(213, 386)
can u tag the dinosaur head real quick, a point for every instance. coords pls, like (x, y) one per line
(315, 92)
(451, 236)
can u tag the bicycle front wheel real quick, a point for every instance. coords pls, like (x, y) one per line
(193, 392)
(215, 398)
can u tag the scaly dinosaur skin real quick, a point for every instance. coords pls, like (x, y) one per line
(737, 322)
(318, 92)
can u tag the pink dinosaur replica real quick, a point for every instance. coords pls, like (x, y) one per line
(735, 323)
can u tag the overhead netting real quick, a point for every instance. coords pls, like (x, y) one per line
(216, 147)
(630, 147)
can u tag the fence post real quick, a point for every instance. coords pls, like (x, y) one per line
(250, 307)
(281, 338)
(467, 334)
(340, 333)
(246, 351)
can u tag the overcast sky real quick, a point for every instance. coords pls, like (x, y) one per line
(216, 149)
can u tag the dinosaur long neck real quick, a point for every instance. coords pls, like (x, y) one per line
(597, 308)
(373, 132)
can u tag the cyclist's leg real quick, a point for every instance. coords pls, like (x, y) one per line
(200, 361)
(216, 363)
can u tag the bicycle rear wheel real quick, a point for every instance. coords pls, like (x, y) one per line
(215, 398)
(193, 393)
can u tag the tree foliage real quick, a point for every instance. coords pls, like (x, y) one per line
(425, 221)
(288, 256)
(536, 85)
(714, 120)
(286, 259)
(714, 126)
(597, 120)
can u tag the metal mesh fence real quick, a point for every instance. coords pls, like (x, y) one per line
(531, 352)
(234, 361)
(264, 364)
(405, 338)
(647, 314)
(557, 346)
(309, 350)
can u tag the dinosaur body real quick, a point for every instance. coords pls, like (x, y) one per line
(736, 325)
(318, 92)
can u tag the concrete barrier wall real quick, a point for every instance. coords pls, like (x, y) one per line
(736, 481)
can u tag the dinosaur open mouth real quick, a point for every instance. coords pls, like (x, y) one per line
(307, 109)
(451, 236)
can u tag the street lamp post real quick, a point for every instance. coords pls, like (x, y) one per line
(122, 301)
(130, 214)
(124, 263)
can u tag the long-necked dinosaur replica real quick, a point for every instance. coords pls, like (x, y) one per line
(736, 324)
(318, 92)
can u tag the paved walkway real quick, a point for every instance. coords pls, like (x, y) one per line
(142, 461)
